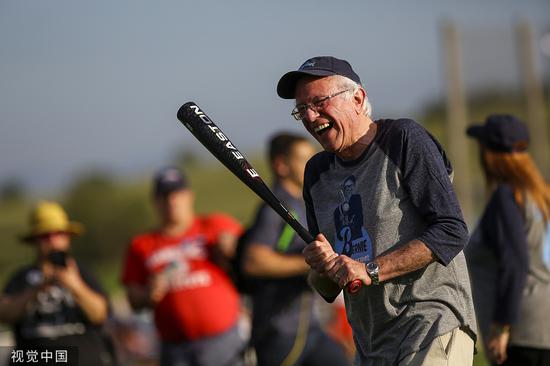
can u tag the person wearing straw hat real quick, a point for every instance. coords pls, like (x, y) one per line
(54, 304)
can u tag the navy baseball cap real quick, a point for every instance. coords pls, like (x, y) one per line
(168, 180)
(501, 132)
(316, 66)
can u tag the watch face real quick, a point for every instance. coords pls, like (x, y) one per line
(372, 270)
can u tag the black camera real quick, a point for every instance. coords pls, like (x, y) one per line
(58, 258)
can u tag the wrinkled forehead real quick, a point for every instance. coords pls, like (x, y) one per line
(309, 87)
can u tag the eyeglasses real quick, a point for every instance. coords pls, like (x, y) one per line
(299, 112)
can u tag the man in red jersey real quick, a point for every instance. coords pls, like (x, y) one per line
(175, 270)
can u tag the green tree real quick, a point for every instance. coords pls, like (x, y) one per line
(111, 214)
(12, 190)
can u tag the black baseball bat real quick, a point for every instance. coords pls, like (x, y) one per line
(217, 142)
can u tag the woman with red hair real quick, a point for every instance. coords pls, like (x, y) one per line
(509, 255)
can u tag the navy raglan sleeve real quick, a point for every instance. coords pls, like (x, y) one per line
(502, 226)
(425, 173)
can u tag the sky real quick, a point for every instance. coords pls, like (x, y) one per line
(98, 83)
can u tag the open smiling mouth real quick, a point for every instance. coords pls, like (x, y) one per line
(321, 129)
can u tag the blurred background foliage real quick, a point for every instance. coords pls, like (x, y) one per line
(113, 210)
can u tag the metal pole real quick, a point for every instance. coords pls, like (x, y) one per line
(532, 86)
(457, 119)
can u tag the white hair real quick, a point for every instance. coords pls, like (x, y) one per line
(347, 83)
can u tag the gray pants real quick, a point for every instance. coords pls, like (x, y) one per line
(221, 350)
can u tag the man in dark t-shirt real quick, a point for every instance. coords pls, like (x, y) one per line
(55, 305)
(285, 328)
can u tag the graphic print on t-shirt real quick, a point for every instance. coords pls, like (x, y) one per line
(351, 239)
(52, 315)
(176, 264)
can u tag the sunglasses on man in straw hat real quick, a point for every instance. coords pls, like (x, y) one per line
(48, 218)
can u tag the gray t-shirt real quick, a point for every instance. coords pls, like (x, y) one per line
(509, 262)
(281, 305)
(397, 191)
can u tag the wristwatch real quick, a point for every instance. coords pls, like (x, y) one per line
(372, 270)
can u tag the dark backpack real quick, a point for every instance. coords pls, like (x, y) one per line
(244, 283)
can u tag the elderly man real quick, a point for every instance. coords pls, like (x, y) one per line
(415, 305)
